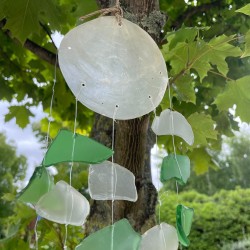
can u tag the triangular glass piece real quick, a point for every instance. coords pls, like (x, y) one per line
(160, 237)
(175, 167)
(120, 236)
(184, 217)
(39, 184)
(85, 149)
(64, 205)
(108, 181)
(173, 123)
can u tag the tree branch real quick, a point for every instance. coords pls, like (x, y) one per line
(41, 52)
(194, 10)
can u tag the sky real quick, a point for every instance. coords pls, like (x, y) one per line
(24, 139)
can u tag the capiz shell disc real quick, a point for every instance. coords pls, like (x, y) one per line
(115, 70)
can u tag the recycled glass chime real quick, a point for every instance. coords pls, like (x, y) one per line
(175, 166)
(117, 70)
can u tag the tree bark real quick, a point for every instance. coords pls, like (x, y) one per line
(133, 139)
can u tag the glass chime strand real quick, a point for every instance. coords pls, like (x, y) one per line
(71, 167)
(47, 135)
(113, 182)
(51, 104)
(173, 141)
(158, 174)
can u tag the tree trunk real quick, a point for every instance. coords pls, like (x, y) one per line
(133, 139)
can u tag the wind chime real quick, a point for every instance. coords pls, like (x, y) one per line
(113, 67)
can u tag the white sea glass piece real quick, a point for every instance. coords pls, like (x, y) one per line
(160, 237)
(108, 181)
(64, 205)
(173, 123)
(112, 68)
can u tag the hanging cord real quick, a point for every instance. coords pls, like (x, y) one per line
(116, 10)
(47, 137)
(113, 180)
(51, 103)
(36, 235)
(71, 168)
(158, 170)
(173, 141)
(66, 237)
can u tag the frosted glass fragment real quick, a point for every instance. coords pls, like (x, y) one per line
(112, 68)
(85, 149)
(64, 205)
(109, 181)
(160, 237)
(173, 123)
(123, 235)
(39, 184)
(184, 217)
(177, 168)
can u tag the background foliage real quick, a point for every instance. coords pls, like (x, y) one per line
(219, 219)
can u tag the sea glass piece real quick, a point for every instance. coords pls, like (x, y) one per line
(173, 123)
(184, 217)
(85, 149)
(64, 205)
(121, 75)
(108, 181)
(177, 168)
(160, 237)
(40, 183)
(120, 236)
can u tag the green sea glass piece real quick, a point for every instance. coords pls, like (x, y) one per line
(184, 217)
(39, 184)
(177, 168)
(85, 149)
(123, 235)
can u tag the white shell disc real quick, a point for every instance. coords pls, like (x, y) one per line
(115, 70)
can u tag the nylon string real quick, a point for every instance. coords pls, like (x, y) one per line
(47, 137)
(114, 179)
(158, 171)
(71, 168)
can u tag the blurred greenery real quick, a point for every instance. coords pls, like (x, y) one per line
(232, 169)
(12, 170)
(219, 220)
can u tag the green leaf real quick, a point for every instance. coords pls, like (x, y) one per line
(200, 160)
(245, 10)
(203, 127)
(236, 92)
(184, 89)
(8, 197)
(247, 45)
(24, 16)
(201, 56)
(185, 34)
(214, 53)
(21, 113)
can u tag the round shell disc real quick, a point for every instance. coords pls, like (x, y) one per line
(115, 70)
